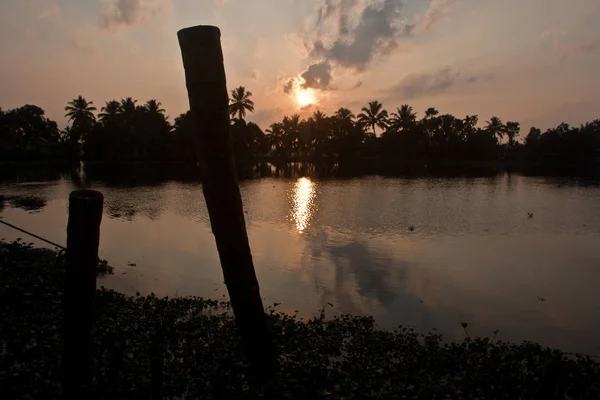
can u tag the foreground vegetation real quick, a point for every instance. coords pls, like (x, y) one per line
(127, 131)
(190, 346)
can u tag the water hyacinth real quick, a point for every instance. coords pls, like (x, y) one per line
(188, 347)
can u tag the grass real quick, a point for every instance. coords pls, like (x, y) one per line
(194, 343)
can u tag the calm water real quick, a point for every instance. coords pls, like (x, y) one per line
(474, 255)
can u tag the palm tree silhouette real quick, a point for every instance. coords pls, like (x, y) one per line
(373, 116)
(80, 111)
(276, 139)
(109, 111)
(152, 106)
(240, 102)
(496, 128)
(404, 117)
(512, 130)
(344, 116)
(431, 112)
(291, 130)
(128, 106)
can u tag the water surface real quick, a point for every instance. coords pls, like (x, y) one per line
(427, 252)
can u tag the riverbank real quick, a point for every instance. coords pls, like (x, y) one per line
(290, 167)
(346, 357)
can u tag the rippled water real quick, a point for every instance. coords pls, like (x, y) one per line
(472, 255)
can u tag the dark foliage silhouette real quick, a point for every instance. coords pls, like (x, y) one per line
(373, 140)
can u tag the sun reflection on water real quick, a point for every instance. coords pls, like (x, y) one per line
(303, 203)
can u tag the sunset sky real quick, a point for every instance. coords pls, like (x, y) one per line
(532, 61)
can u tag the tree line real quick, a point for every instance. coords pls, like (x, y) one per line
(124, 131)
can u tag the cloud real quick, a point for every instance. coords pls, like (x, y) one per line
(377, 30)
(307, 107)
(358, 84)
(255, 74)
(436, 11)
(352, 33)
(317, 76)
(128, 12)
(290, 85)
(428, 83)
(50, 11)
(561, 43)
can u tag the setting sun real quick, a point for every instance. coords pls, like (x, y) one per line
(305, 97)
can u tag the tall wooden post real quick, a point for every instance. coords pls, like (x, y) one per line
(83, 238)
(209, 105)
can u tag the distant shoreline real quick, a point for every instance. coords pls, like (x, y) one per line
(353, 167)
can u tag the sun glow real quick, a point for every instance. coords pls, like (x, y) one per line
(305, 97)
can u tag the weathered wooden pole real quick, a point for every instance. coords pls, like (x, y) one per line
(209, 105)
(83, 238)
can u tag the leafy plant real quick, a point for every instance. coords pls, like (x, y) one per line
(189, 347)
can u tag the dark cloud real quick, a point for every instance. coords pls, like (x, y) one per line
(326, 11)
(289, 85)
(307, 107)
(317, 76)
(123, 12)
(358, 84)
(128, 12)
(427, 83)
(377, 32)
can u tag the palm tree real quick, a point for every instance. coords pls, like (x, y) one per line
(431, 112)
(404, 117)
(291, 130)
(276, 139)
(128, 106)
(495, 127)
(152, 106)
(109, 110)
(512, 130)
(80, 111)
(240, 102)
(533, 137)
(373, 115)
(319, 132)
(344, 116)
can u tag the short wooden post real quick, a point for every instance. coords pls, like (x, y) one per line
(209, 105)
(83, 238)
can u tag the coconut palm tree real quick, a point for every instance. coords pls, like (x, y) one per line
(109, 111)
(80, 111)
(512, 130)
(373, 115)
(344, 116)
(404, 117)
(276, 139)
(292, 127)
(240, 102)
(152, 106)
(431, 112)
(495, 127)
(128, 106)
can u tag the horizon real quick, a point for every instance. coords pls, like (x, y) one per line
(458, 56)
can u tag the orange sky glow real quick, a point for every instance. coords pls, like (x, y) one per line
(532, 61)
